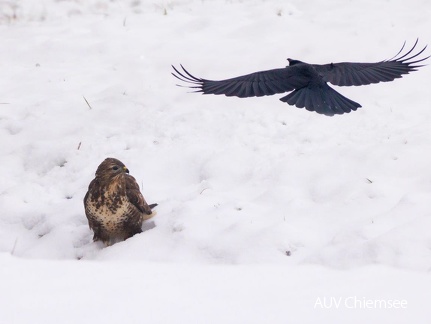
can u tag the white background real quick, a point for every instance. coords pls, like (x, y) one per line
(239, 182)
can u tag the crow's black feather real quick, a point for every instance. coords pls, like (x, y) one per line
(308, 82)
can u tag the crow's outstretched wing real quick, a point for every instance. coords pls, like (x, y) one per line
(263, 83)
(357, 74)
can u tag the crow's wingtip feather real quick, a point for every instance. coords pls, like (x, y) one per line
(404, 58)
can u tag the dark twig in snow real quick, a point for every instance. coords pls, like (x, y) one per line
(87, 102)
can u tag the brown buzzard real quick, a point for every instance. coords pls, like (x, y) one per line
(114, 205)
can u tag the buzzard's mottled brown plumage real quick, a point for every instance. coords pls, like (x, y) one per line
(114, 205)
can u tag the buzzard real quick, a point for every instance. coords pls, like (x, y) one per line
(309, 82)
(114, 205)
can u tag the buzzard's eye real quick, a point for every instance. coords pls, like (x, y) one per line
(115, 168)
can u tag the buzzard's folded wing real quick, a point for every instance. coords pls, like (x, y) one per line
(135, 197)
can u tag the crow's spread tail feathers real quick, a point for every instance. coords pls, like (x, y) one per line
(321, 99)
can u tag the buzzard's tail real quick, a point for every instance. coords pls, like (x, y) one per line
(149, 214)
(321, 99)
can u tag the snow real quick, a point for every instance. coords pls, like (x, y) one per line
(138, 292)
(263, 207)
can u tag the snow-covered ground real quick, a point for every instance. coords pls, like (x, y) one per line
(265, 210)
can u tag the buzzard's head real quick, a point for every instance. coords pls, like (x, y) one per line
(110, 168)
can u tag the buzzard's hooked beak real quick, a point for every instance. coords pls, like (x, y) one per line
(125, 169)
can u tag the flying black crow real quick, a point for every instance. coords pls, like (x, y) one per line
(308, 82)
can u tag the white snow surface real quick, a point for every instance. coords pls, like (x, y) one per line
(263, 207)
